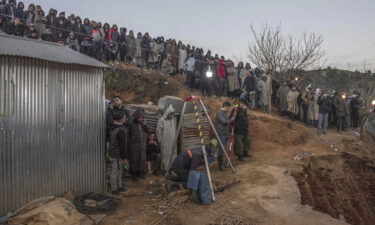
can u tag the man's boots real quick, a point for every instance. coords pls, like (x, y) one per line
(247, 155)
(149, 167)
(241, 158)
(220, 163)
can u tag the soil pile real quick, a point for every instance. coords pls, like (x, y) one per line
(342, 186)
(138, 85)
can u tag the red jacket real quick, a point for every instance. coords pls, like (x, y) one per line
(221, 72)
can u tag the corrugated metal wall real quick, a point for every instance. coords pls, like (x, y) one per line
(51, 130)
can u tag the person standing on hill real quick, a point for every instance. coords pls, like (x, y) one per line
(305, 103)
(222, 76)
(282, 96)
(190, 71)
(262, 88)
(233, 81)
(242, 141)
(182, 55)
(340, 105)
(249, 87)
(269, 90)
(292, 99)
(223, 124)
(325, 107)
(355, 105)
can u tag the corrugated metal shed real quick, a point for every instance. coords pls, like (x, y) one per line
(51, 123)
(20, 46)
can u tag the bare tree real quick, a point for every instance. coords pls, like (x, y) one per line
(270, 50)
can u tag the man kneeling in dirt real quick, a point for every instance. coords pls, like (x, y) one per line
(187, 161)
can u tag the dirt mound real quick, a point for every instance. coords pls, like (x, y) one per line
(138, 85)
(342, 186)
(278, 131)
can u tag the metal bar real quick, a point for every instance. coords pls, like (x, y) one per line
(208, 172)
(217, 135)
(178, 132)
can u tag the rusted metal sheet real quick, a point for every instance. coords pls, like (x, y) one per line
(190, 138)
(51, 130)
(152, 114)
(177, 104)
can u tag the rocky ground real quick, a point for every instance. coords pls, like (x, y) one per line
(295, 177)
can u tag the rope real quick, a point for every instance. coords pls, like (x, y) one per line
(94, 203)
(198, 122)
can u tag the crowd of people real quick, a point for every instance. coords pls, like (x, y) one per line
(320, 108)
(102, 41)
(109, 43)
(131, 142)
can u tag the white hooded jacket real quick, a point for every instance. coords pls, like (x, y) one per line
(166, 133)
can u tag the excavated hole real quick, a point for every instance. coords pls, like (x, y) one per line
(342, 186)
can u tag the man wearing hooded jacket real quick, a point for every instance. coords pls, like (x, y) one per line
(166, 133)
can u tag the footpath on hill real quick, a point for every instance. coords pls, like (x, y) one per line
(294, 177)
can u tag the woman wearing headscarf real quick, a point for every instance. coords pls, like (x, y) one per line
(40, 22)
(182, 54)
(21, 10)
(233, 82)
(130, 47)
(29, 15)
(138, 50)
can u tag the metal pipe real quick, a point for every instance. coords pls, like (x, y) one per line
(208, 172)
(217, 135)
(178, 133)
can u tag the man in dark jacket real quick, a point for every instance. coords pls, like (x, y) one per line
(48, 36)
(16, 28)
(78, 29)
(187, 161)
(52, 21)
(325, 107)
(223, 123)
(11, 11)
(111, 50)
(339, 103)
(210, 85)
(249, 89)
(63, 24)
(116, 107)
(117, 152)
(355, 105)
(122, 44)
(242, 141)
(29, 15)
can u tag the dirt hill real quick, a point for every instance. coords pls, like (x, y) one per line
(295, 177)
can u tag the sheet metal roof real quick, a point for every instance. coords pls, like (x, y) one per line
(20, 46)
